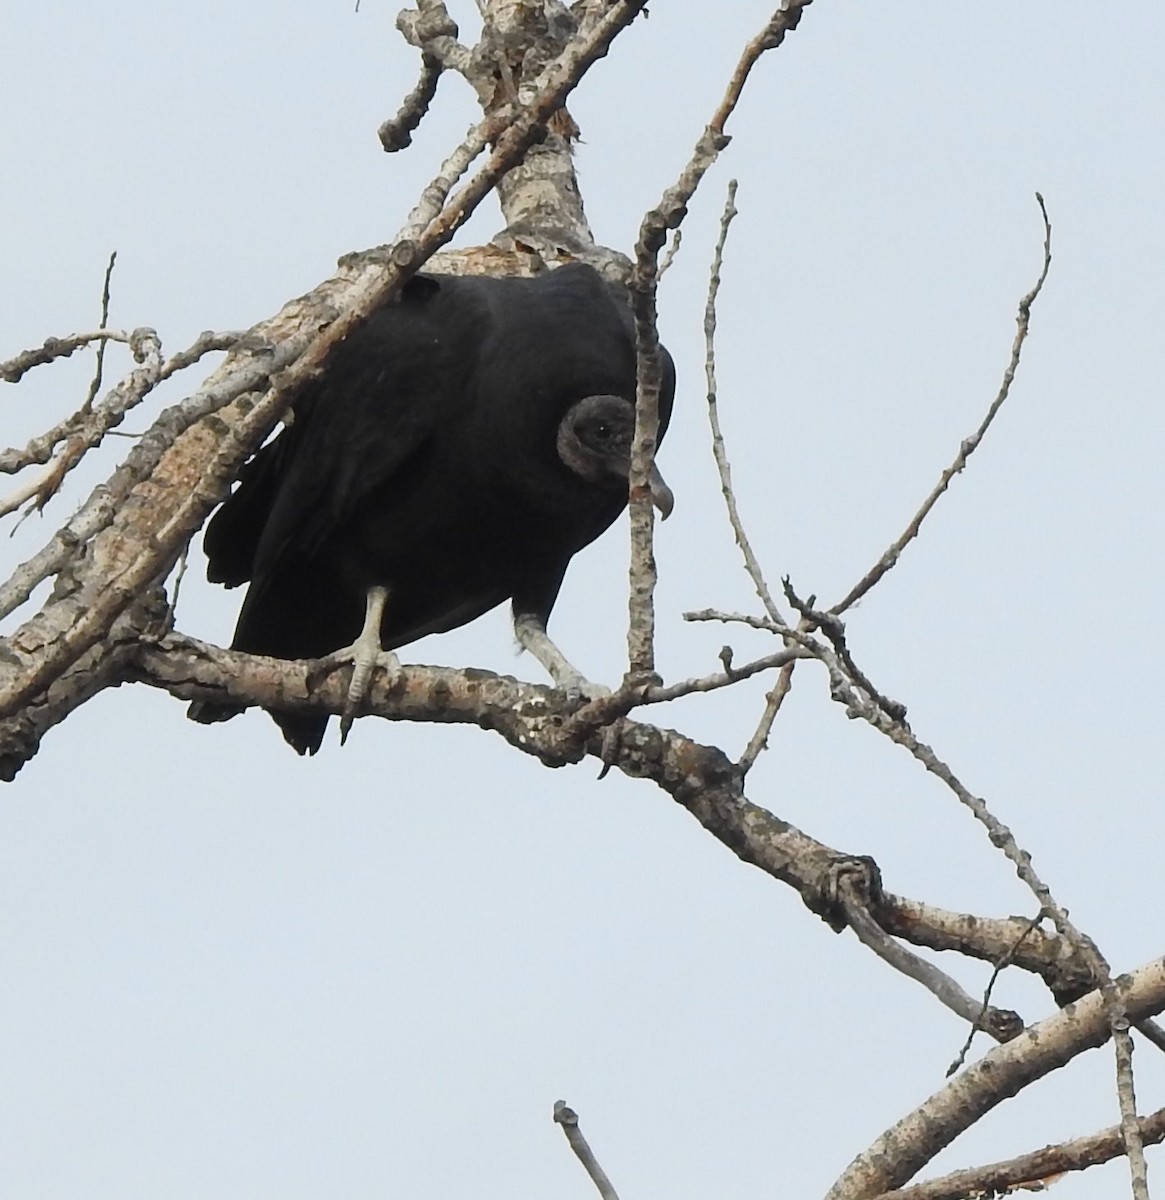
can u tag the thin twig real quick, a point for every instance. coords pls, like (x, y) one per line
(670, 256)
(14, 369)
(95, 382)
(719, 451)
(172, 607)
(843, 690)
(1153, 1033)
(715, 614)
(1001, 1024)
(568, 1119)
(969, 445)
(85, 426)
(710, 683)
(773, 702)
(996, 971)
(834, 629)
(776, 697)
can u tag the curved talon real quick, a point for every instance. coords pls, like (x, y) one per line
(362, 670)
(609, 753)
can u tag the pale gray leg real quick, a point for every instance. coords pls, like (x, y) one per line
(531, 634)
(366, 656)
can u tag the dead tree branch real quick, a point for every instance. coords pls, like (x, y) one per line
(568, 1119)
(969, 445)
(911, 1143)
(1031, 1171)
(668, 213)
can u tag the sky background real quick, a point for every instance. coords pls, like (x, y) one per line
(226, 971)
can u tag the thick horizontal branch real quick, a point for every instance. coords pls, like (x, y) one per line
(547, 724)
(991, 940)
(537, 720)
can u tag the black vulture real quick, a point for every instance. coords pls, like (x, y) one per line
(458, 448)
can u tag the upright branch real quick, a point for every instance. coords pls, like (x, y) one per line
(969, 445)
(668, 213)
(95, 382)
(776, 696)
(719, 450)
(568, 1119)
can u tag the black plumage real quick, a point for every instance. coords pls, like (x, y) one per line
(459, 447)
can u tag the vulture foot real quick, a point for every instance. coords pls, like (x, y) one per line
(366, 655)
(531, 634)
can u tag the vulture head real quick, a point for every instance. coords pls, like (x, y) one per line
(594, 441)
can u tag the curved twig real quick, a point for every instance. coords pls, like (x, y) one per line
(969, 445)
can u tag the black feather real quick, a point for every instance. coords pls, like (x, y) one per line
(427, 459)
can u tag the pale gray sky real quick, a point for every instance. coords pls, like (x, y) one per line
(228, 972)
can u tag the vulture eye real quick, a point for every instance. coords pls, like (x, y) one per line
(603, 431)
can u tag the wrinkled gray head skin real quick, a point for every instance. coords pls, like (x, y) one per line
(594, 441)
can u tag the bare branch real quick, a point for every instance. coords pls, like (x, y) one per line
(668, 214)
(1038, 951)
(760, 736)
(568, 1119)
(1002, 838)
(848, 687)
(95, 382)
(997, 970)
(734, 674)
(433, 31)
(539, 721)
(969, 445)
(715, 614)
(670, 255)
(207, 342)
(719, 451)
(85, 428)
(912, 1142)
(103, 505)
(31, 486)
(16, 368)
(397, 132)
(1031, 1171)
(1001, 1024)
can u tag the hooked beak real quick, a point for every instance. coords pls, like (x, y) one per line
(661, 494)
